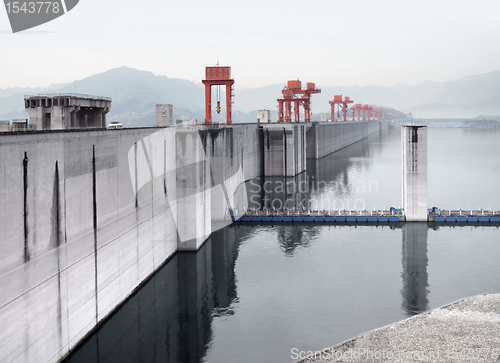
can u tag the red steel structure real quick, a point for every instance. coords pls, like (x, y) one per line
(310, 90)
(379, 114)
(218, 76)
(367, 111)
(290, 95)
(337, 100)
(357, 108)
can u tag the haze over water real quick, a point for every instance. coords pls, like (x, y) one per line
(252, 293)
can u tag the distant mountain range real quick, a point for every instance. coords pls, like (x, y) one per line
(136, 92)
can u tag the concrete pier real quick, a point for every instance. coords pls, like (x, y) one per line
(285, 149)
(414, 146)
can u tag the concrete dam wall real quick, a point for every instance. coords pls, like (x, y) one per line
(325, 138)
(87, 216)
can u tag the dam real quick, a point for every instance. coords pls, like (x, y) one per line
(89, 215)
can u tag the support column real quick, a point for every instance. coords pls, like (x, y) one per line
(414, 145)
(296, 109)
(228, 104)
(280, 110)
(288, 111)
(208, 104)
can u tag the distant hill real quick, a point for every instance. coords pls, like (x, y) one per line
(136, 92)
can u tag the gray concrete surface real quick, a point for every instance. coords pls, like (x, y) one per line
(324, 138)
(467, 330)
(285, 149)
(414, 148)
(87, 216)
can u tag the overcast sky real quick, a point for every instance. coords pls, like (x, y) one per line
(379, 42)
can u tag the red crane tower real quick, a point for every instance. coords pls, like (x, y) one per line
(218, 76)
(290, 95)
(367, 110)
(337, 100)
(379, 114)
(357, 108)
(287, 100)
(306, 102)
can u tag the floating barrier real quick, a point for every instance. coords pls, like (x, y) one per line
(388, 216)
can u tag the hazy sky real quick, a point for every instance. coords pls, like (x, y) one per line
(379, 42)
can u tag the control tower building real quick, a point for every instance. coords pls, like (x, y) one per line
(66, 111)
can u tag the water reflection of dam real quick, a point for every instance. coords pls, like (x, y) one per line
(414, 274)
(170, 319)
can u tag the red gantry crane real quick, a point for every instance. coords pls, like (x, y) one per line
(357, 108)
(337, 100)
(379, 114)
(367, 110)
(290, 95)
(218, 76)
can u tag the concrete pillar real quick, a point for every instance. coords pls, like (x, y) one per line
(414, 145)
(284, 150)
(164, 115)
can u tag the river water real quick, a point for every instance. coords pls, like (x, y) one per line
(253, 293)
